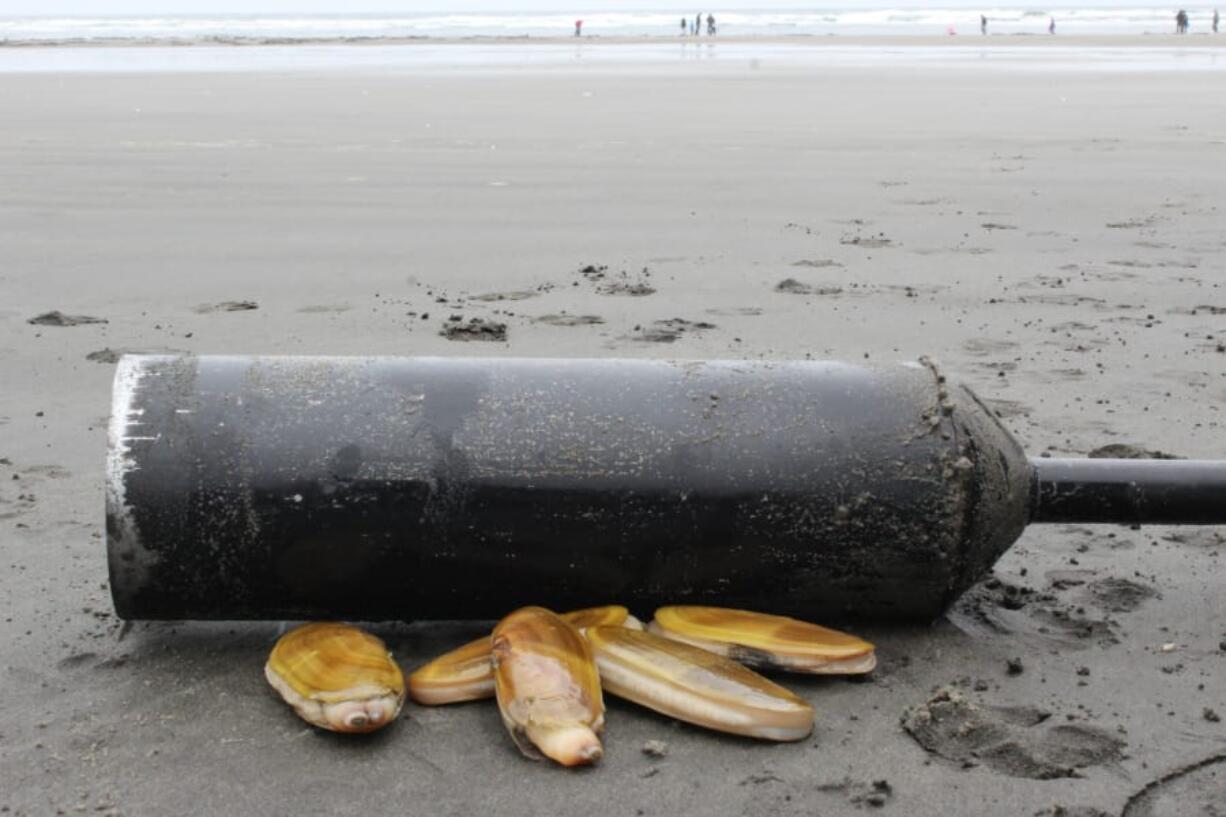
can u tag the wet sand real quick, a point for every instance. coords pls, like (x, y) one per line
(1053, 239)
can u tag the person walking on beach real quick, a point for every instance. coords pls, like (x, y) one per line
(1215, 21)
(578, 28)
(710, 25)
(1181, 22)
(983, 24)
(1051, 26)
(698, 24)
(685, 26)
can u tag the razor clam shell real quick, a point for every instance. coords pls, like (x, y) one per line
(766, 641)
(465, 673)
(323, 668)
(547, 685)
(696, 686)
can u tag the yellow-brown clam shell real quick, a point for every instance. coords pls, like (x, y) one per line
(465, 673)
(766, 641)
(547, 687)
(336, 677)
(696, 686)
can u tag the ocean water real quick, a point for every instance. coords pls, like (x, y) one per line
(817, 22)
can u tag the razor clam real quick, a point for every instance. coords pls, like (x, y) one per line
(696, 686)
(465, 673)
(336, 677)
(766, 641)
(547, 687)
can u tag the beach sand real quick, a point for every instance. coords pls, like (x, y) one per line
(1054, 238)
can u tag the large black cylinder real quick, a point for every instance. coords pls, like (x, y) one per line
(420, 488)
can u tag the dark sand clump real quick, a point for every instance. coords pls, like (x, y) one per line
(570, 320)
(1124, 451)
(57, 318)
(227, 306)
(475, 329)
(794, 287)
(668, 330)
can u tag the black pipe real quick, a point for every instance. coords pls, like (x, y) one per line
(407, 488)
(1128, 491)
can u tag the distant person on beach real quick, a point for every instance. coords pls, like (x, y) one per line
(578, 28)
(698, 24)
(983, 24)
(1051, 26)
(1181, 22)
(685, 26)
(1215, 21)
(710, 25)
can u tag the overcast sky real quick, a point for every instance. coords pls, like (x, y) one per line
(102, 8)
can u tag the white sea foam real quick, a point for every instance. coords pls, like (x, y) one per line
(818, 22)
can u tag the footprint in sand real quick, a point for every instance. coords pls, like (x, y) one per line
(1014, 741)
(1199, 788)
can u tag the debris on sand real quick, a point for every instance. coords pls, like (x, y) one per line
(619, 284)
(1124, 451)
(58, 318)
(570, 320)
(668, 330)
(515, 295)
(475, 329)
(794, 287)
(227, 306)
(635, 289)
(817, 263)
(876, 794)
(655, 748)
(1007, 739)
(872, 242)
(109, 355)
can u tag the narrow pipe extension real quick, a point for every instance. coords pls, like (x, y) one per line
(1169, 492)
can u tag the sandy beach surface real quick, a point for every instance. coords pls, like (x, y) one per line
(1055, 238)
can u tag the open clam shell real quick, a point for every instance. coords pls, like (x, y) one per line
(465, 673)
(696, 686)
(337, 677)
(766, 641)
(547, 687)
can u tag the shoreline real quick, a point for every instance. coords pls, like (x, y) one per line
(1199, 40)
